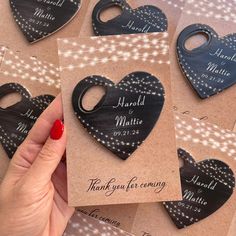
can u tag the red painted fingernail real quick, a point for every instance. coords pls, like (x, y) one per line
(57, 130)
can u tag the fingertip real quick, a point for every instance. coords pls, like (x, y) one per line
(57, 130)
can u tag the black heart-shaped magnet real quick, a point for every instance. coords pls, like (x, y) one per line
(144, 19)
(206, 186)
(125, 115)
(209, 68)
(40, 18)
(17, 119)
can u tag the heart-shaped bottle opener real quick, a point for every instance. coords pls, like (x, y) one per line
(17, 120)
(125, 115)
(209, 68)
(40, 18)
(144, 19)
(206, 186)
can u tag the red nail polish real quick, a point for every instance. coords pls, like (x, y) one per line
(57, 130)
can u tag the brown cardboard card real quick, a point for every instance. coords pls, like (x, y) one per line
(81, 224)
(46, 75)
(220, 17)
(104, 164)
(119, 216)
(203, 141)
(46, 49)
(113, 11)
(25, 70)
(23, 78)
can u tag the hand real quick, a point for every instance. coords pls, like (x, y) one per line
(33, 194)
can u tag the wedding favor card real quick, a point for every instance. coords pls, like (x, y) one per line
(27, 87)
(40, 19)
(144, 19)
(32, 27)
(111, 17)
(119, 216)
(117, 141)
(81, 224)
(207, 157)
(203, 59)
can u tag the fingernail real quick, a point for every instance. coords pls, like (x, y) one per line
(57, 130)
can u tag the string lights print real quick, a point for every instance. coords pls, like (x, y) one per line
(2, 50)
(218, 9)
(50, 72)
(30, 68)
(131, 47)
(206, 134)
(176, 3)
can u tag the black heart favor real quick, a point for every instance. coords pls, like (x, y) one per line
(39, 18)
(206, 186)
(17, 120)
(144, 19)
(209, 68)
(125, 115)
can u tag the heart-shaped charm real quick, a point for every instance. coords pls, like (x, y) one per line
(209, 68)
(39, 18)
(125, 115)
(145, 19)
(17, 120)
(206, 186)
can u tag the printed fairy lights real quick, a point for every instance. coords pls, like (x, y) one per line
(129, 48)
(32, 69)
(208, 135)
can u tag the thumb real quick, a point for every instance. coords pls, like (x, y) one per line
(50, 155)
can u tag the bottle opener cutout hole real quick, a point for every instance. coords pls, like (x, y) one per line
(93, 98)
(125, 115)
(9, 100)
(181, 163)
(196, 41)
(110, 13)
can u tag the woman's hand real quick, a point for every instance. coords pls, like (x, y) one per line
(33, 194)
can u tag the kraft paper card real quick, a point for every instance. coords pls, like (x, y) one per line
(208, 168)
(107, 17)
(31, 74)
(121, 137)
(81, 224)
(119, 216)
(203, 60)
(27, 87)
(32, 27)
